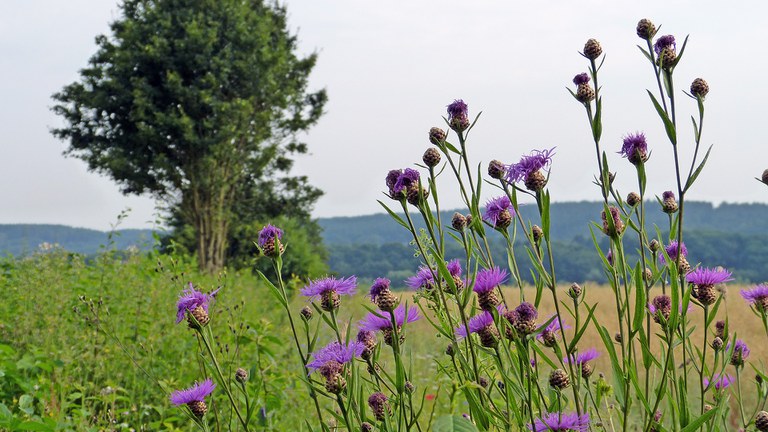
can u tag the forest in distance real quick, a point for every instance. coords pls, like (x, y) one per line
(370, 246)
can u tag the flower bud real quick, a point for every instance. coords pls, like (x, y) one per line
(717, 344)
(436, 135)
(559, 379)
(241, 375)
(765, 176)
(645, 29)
(458, 222)
(592, 49)
(574, 291)
(537, 233)
(306, 313)
(633, 199)
(496, 169)
(699, 88)
(431, 157)
(654, 245)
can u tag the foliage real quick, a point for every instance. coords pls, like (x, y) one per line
(198, 102)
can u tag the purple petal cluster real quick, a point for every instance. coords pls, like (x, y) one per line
(583, 357)
(581, 78)
(667, 195)
(707, 276)
(398, 181)
(196, 393)
(525, 312)
(190, 300)
(671, 250)
(337, 352)
(488, 279)
(561, 422)
(423, 279)
(454, 267)
(667, 41)
(476, 323)
(538, 159)
(458, 108)
(756, 294)
(495, 207)
(740, 349)
(381, 320)
(633, 145)
(343, 286)
(552, 328)
(268, 233)
(379, 285)
(720, 381)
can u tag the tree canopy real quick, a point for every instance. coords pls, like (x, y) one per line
(199, 103)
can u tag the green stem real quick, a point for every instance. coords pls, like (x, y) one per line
(222, 380)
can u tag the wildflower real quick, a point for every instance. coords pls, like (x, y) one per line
(306, 313)
(454, 268)
(582, 360)
(561, 422)
(612, 229)
(699, 88)
(496, 169)
(720, 329)
(645, 29)
(592, 49)
(633, 199)
(660, 307)
(485, 283)
(431, 157)
(584, 92)
(379, 404)
(269, 241)
(559, 379)
(405, 184)
(241, 375)
(194, 397)
(720, 382)
(740, 352)
(329, 289)
(757, 296)
(574, 291)
(481, 324)
(368, 339)
(382, 295)
(458, 115)
(499, 212)
(196, 303)
(665, 47)
(458, 221)
(381, 321)
(548, 336)
(424, 277)
(436, 135)
(523, 318)
(704, 281)
(329, 361)
(635, 148)
(682, 263)
(528, 170)
(717, 343)
(668, 202)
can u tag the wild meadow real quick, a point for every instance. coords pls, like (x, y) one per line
(129, 341)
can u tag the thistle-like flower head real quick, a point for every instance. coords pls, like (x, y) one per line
(381, 320)
(757, 294)
(537, 160)
(268, 233)
(672, 251)
(581, 78)
(561, 422)
(190, 300)
(341, 286)
(707, 276)
(488, 279)
(422, 279)
(635, 148)
(667, 41)
(476, 323)
(720, 382)
(337, 352)
(379, 286)
(457, 108)
(196, 393)
(583, 357)
(398, 181)
(495, 207)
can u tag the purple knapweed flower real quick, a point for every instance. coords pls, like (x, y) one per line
(379, 286)
(609, 257)
(488, 279)
(192, 299)
(583, 357)
(458, 108)
(476, 323)
(196, 393)
(635, 148)
(528, 165)
(341, 286)
(720, 382)
(423, 279)
(337, 352)
(454, 267)
(548, 336)
(757, 296)
(269, 233)
(374, 322)
(667, 41)
(740, 352)
(671, 250)
(499, 212)
(667, 195)
(707, 276)
(581, 78)
(561, 422)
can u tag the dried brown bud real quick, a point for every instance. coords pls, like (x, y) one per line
(699, 88)
(436, 135)
(645, 29)
(458, 222)
(431, 157)
(496, 169)
(592, 49)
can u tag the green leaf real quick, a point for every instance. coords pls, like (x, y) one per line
(394, 216)
(640, 299)
(275, 292)
(696, 173)
(696, 424)
(33, 426)
(670, 128)
(451, 147)
(449, 423)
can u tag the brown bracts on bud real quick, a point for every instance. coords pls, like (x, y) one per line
(537, 233)
(496, 169)
(592, 49)
(458, 221)
(431, 157)
(436, 135)
(699, 88)
(633, 199)
(761, 421)
(559, 379)
(645, 29)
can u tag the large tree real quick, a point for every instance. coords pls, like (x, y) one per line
(200, 103)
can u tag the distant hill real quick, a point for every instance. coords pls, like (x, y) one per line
(23, 239)
(570, 220)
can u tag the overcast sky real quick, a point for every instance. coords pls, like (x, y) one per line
(390, 69)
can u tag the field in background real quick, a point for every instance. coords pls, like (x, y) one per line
(69, 330)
